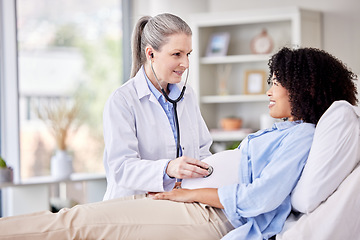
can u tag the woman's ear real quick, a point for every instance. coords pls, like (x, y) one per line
(149, 52)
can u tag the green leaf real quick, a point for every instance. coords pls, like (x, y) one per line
(2, 163)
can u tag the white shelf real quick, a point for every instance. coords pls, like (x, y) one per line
(219, 135)
(235, 59)
(43, 180)
(33, 194)
(234, 98)
(288, 26)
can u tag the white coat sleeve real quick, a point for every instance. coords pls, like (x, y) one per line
(123, 165)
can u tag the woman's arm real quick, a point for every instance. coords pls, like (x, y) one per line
(207, 196)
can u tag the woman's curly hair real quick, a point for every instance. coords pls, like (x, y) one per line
(314, 80)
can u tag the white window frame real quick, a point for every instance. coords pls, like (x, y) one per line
(9, 108)
(10, 144)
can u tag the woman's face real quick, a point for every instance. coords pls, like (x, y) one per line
(172, 60)
(279, 106)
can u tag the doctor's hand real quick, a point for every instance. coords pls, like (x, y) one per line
(186, 167)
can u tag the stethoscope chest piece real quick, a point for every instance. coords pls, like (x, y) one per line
(210, 170)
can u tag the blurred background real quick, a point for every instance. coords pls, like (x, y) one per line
(71, 54)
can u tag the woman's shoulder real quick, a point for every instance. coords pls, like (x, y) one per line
(297, 134)
(303, 129)
(119, 92)
(305, 125)
(294, 126)
(126, 87)
(296, 129)
(130, 88)
(123, 94)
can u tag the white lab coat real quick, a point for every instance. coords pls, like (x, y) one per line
(139, 140)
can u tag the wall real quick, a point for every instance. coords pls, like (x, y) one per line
(183, 8)
(341, 31)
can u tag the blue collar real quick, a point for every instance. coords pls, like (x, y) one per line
(286, 124)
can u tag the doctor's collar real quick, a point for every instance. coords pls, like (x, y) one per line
(174, 91)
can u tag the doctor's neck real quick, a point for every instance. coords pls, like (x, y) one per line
(153, 80)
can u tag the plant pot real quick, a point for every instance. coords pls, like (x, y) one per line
(6, 175)
(230, 124)
(61, 165)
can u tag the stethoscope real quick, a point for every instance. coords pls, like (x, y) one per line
(174, 103)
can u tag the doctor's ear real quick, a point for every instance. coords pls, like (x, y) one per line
(149, 52)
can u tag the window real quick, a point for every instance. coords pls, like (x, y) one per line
(66, 48)
(69, 52)
(50, 51)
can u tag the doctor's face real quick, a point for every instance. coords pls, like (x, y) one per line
(279, 106)
(172, 60)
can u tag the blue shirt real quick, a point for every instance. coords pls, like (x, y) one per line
(168, 107)
(270, 166)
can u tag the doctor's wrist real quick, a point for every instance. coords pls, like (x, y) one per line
(166, 174)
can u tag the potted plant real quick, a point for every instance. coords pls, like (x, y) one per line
(61, 116)
(231, 123)
(6, 173)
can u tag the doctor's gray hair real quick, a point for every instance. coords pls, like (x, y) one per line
(154, 31)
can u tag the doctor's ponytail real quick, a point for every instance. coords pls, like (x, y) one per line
(138, 57)
(154, 32)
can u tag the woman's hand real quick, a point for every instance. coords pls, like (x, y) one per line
(207, 196)
(176, 195)
(186, 167)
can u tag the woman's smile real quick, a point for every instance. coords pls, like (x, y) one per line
(279, 102)
(179, 73)
(271, 103)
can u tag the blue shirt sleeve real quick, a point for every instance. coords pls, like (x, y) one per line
(169, 183)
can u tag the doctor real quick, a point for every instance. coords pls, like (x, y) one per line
(139, 123)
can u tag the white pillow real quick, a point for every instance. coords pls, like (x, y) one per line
(334, 154)
(225, 171)
(336, 218)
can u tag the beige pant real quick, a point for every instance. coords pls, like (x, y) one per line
(125, 218)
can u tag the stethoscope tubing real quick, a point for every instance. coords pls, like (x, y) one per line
(174, 103)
